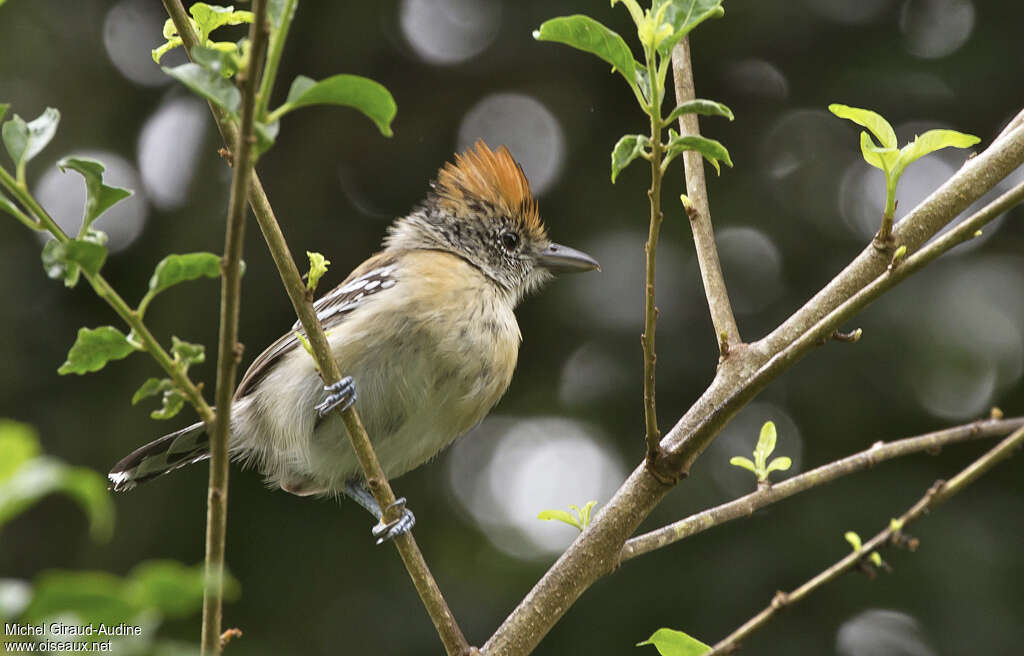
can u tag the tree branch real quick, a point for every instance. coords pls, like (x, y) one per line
(940, 492)
(419, 572)
(596, 549)
(229, 350)
(747, 505)
(652, 433)
(726, 331)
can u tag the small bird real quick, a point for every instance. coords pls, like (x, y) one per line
(424, 329)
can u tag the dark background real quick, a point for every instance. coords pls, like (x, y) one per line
(799, 204)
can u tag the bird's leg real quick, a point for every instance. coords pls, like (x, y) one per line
(356, 490)
(341, 395)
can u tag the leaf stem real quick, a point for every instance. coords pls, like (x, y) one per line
(228, 352)
(115, 301)
(940, 492)
(726, 331)
(278, 37)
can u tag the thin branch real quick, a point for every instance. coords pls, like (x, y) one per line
(726, 331)
(940, 492)
(652, 434)
(229, 350)
(274, 51)
(109, 295)
(747, 505)
(596, 550)
(419, 572)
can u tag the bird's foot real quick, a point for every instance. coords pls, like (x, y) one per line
(386, 531)
(341, 395)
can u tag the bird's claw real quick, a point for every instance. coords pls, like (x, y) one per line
(341, 395)
(387, 531)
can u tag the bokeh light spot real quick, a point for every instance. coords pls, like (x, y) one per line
(169, 149)
(526, 126)
(131, 30)
(936, 28)
(449, 31)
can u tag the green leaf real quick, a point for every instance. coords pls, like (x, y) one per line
(700, 106)
(26, 477)
(765, 444)
(875, 558)
(178, 268)
(317, 268)
(782, 463)
(670, 642)
(3, 108)
(854, 540)
(25, 140)
(745, 463)
(369, 97)
(562, 516)
(99, 197)
(151, 387)
(88, 255)
(275, 11)
(94, 348)
(713, 151)
(18, 444)
(868, 119)
(174, 589)
(684, 15)
(586, 34)
(266, 134)
(628, 149)
(929, 142)
(55, 263)
(94, 597)
(187, 353)
(878, 157)
(208, 85)
(172, 403)
(210, 17)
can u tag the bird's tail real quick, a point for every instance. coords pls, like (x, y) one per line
(161, 456)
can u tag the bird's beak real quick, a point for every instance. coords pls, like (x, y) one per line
(562, 259)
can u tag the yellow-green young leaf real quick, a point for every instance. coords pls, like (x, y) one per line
(670, 642)
(868, 119)
(853, 539)
(369, 97)
(161, 50)
(626, 150)
(99, 197)
(745, 463)
(207, 84)
(94, 348)
(317, 268)
(221, 58)
(895, 525)
(304, 341)
(560, 515)
(765, 444)
(683, 16)
(782, 463)
(929, 142)
(875, 558)
(3, 106)
(880, 158)
(24, 140)
(713, 151)
(586, 34)
(210, 17)
(700, 106)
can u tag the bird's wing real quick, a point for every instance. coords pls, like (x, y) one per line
(372, 276)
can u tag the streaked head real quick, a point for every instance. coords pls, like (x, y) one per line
(481, 208)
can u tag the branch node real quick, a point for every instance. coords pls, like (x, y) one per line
(780, 600)
(225, 154)
(849, 337)
(229, 635)
(995, 413)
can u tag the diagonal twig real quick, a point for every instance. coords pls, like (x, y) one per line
(940, 492)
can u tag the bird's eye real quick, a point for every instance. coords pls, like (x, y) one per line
(509, 240)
